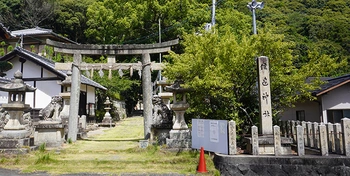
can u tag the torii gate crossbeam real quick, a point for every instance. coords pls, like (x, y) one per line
(78, 50)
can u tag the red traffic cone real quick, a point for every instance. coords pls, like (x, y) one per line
(202, 168)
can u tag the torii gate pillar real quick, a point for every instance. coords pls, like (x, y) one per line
(136, 49)
(147, 94)
(74, 99)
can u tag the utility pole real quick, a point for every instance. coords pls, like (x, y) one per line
(252, 6)
(160, 55)
(213, 14)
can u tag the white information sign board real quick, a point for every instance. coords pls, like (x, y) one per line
(212, 135)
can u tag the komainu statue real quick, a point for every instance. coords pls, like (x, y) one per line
(4, 118)
(162, 115)
(52, 111)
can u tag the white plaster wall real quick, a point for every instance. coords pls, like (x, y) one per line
(47, 73)
(83, 88)
(311, 108)
(3, 97)
(30, 95)
(46, 90)
(338, 98)
(90, 94)
(31, 70)
(16, 66)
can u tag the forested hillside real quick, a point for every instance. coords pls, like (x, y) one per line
(312, 24)
(302, 38)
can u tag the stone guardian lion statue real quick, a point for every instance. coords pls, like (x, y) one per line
(52, 111)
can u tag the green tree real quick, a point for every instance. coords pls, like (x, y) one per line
(19, 14)
(137, 21)
(70, 19)
(221, 69)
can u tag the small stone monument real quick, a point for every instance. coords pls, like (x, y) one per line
(15, 136)
(162, 121)
(50, 129)
(107, 119)
(180, 135)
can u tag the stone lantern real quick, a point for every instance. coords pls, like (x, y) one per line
(165, 96)
(16, 101)
(15, 134)
(180, 135)
(66, 84)
(107, 119)
(179, 106)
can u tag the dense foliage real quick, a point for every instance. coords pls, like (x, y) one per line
(301, 37)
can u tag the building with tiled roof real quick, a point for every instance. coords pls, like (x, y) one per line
(32, 39)
(41, 73)
(331, 105)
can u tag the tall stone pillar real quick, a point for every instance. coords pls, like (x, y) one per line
(265, 96)
(147, 94)
(74, 99)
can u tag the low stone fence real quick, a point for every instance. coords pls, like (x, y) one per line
(327, 138)
(324, 139)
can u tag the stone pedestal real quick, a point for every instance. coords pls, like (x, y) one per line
(266, 145)
(15, 138)
(160, 133)
(16, 141)
(107, 120)
(179, 139)
(49, 132)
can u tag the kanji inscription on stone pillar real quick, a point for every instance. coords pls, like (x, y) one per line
(265, 95)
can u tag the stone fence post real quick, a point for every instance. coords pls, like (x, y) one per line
(293, 132)
(303, 124)
(232, 138)
(330, 132)
(323, 139)
(310, 135)
(255, 141)
(315, 135)
(345, 122)
(338, 138)
(300, 140)
(277, 140)
(288, 129)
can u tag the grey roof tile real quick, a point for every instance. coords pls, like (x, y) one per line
(38, 31)
(48, 64)
(332, 83)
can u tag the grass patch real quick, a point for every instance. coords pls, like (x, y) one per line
(115, 151)
(44, 159)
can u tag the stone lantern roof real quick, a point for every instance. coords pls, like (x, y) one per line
(17, 85)
(68, 80)
(176, 87)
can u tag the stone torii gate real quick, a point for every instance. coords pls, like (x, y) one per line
(110, 50)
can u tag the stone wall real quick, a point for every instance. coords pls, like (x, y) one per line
(281, 165)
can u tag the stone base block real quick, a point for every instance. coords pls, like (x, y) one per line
(51, 135)
(14, 134)
(180, 134)
(266, 145)
(17, 151)
(174, 143)
(160, 135)
(14, 143)
(82, 135)
(106, 124)
(179, 139)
